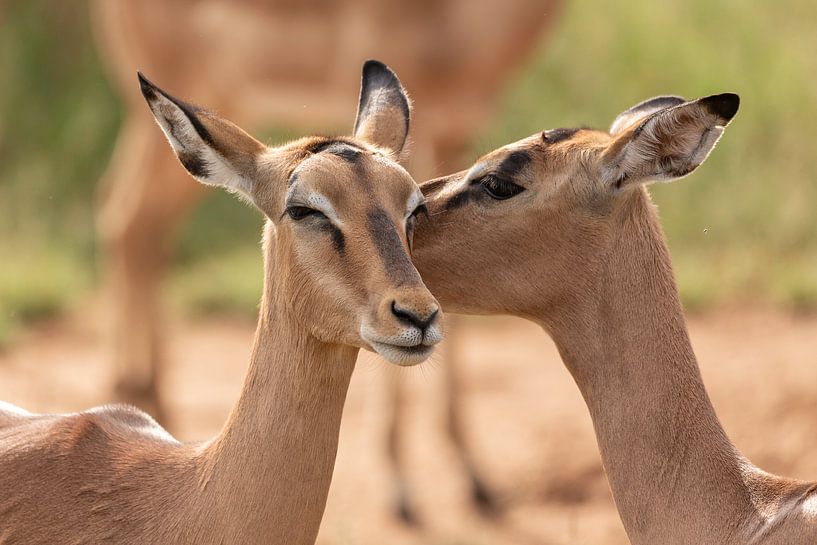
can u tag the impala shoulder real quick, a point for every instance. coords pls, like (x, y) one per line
(108, 423)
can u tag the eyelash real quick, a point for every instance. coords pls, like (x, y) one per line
(498, 188)
(297, 213)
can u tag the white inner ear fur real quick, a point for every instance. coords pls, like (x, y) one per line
(184, 139)
(415, 199)
(625, 120)
(641, 159)
(708, 141)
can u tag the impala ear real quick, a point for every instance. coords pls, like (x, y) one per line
(642, 110)
(668, 142)
(384, 111)
(213, 150)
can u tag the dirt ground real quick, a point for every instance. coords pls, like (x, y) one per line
(528, 425)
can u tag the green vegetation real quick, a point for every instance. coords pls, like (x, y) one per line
(225, 283)
(37, 285)
(743, 228)
(57, 122)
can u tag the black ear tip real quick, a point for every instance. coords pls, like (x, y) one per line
(148, 89)
(376, 71)
(373, 66)
(374, 63)
(724, 105)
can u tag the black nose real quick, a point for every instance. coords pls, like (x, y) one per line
(411, 317)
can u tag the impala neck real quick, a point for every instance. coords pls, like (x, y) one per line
(674, 474)
(271, 466)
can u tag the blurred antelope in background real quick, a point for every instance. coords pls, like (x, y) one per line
(292, 64)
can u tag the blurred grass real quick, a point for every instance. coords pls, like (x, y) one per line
(744, 226)
(226, 283)
(37, 283)
(58, 118)
(742, 229)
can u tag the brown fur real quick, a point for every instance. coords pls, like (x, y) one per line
(582, 253)
(112, 475)
(287, 55)
(258, 76)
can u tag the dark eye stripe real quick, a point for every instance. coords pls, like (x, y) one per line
(300, 213)
(322, 144)
(459, 200)
(390, 248)
(344, 151)
(512, 165)
(338, 240)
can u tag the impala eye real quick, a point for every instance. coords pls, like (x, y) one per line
(298, 213)
(500, 189)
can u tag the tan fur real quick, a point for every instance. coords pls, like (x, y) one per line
(112, 475)
(287, 55)
(279, 63)
(583, 255)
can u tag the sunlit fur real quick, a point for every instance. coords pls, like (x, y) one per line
(581, 252)
(279, 63)
(275, 63)
(313, 271)
(113, 475)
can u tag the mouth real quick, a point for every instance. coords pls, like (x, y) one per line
(404, 356)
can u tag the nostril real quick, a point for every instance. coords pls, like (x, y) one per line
(404, 315)
(412, 318)
(431, 318)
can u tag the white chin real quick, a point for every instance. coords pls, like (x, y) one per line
(405, 356)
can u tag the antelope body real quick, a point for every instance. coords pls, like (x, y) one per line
(340, 214)
(291, 64)
(558, 228)
(287, 63)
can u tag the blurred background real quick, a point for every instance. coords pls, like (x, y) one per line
(742, 231)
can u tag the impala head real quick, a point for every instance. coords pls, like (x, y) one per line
(535, 222)
(340, 216)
